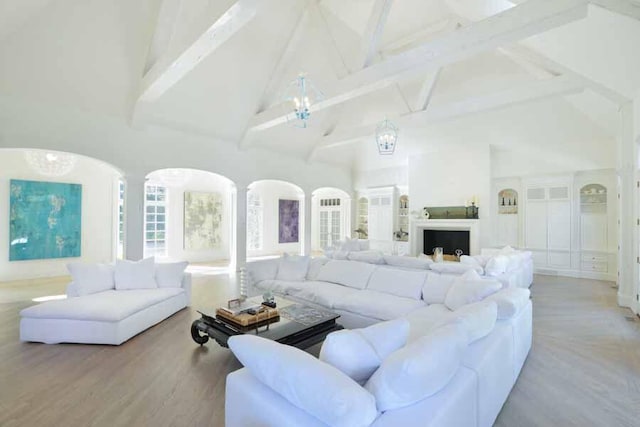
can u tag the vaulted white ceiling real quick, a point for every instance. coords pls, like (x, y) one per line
(524, 76)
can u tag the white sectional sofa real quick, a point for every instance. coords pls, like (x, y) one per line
(103, 313)
(366, 294)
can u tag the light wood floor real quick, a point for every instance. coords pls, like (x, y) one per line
(583, 370)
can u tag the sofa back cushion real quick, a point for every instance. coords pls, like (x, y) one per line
(315, 264)
(292, 268)
(372, 257)
(420, 369)
(170, 274)
(403, 283)
(408, 262)
(91, 278)
(265, 269)
(510, 301)
(135, 274)
(455, 267)
(478, 319)
(470, 288)
(348, 273)
(359, 352)
(496, 265)
(308, 383)
(436, 287)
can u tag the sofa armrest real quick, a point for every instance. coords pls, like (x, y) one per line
(72, 290)
(186, 284)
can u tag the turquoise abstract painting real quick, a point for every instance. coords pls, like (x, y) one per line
(45, 220)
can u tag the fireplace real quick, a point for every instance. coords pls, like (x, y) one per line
(417, 235)
(448, 240)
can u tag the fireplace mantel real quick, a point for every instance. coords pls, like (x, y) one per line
(419, 225)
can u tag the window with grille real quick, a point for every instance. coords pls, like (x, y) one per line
(254, 221)
(155, 220)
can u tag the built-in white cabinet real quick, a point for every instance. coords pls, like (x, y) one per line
(381, 214)
(568, 222)
(548, 223)
(387, 212)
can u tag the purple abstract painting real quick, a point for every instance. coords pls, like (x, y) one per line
(288, 231)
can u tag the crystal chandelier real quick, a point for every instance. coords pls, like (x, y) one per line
(386, 137)
(50, 164)
(300, 95)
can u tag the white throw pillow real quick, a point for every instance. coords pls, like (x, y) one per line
(408, 262)
(436, 287)
(91, 278)
(510, 301)
(507, 250)
(470, 288)
(359, 352)
(478, 319)
(372, 257)
(348, 273)
(496, 266)
(135, 274)
(265, 269)
(292, 268)
(364, 244)
(403, 283)
(455, 267)
(341, 255)
(350, 245)
(420, 369)
(170, 274)
(308, 383)
(315, 264)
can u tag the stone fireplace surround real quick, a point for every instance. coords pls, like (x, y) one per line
(416, 235)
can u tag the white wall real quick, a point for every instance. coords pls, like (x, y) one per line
(99, 219)
(451, 177)
(270, 193)
(398, 176)
(203, 182)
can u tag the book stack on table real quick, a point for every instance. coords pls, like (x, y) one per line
(249, 315)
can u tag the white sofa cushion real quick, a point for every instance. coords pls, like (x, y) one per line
(496, 265)
(478, 319)
(376, 304)
(455, 267)
(372, 257)
(426, 319)
(359, 352)
(470, 288)
(436, 287)
(107, 306)
(418, 370)
(135, 274)
(283, 287)
(308, 383)
(170, 274)
(292, 268)
(510, 301)
(262, 270)
(349, 245)
(91, 278)
(408, 262)
(348, 273)
(323, 293)
(403, 283)
(315, 264)
(364, 244)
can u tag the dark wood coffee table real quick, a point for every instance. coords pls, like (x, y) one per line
(299, 325)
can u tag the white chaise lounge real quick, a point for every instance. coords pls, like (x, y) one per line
(109, 315)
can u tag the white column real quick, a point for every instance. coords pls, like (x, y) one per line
(239, 241)
(628, 229)
(307, 232)
(134, 216)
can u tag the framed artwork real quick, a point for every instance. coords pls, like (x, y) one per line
(508, 202)
(288, 213)
(202, 220)
(45, 220)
